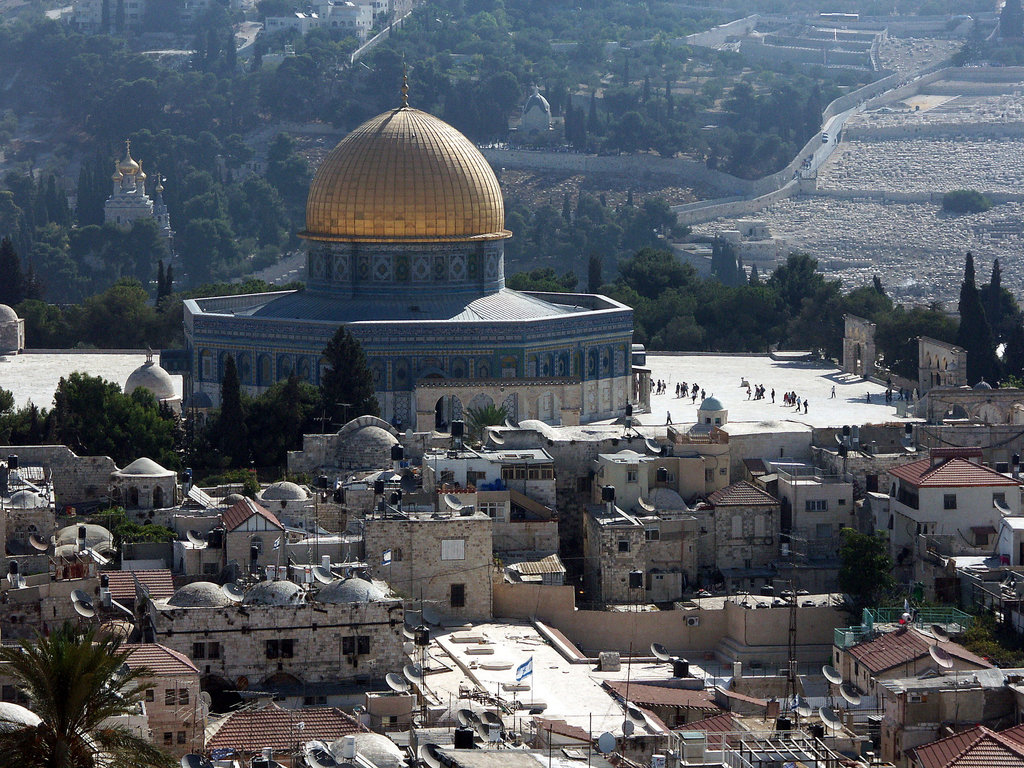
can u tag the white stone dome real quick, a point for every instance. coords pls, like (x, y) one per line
(350, 591)
(27, 500)
(7, 315)
(151, 376)
(284, 491)
(666, 499)
(199, 594)
(367, 447)
(96, 537)
(144, 467)
(14, 717)
(375, 747)
(273, 593)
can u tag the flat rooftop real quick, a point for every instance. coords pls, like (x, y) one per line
(571, 692)
(721, 376)
(33, 376)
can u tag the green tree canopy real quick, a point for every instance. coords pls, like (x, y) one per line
(346, 387)
(865, 568)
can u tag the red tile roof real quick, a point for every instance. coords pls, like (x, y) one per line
(160, 660)
(562, 728)
(663, 696)
(955, 472)
(904, 646)
(977, 746)
(250, 730)
(741, 494)
(242, 511)
(122, 584)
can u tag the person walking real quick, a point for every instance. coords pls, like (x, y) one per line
(805, 406)
(833, 391)
(773, 394)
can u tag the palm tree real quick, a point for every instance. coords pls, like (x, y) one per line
(484, 416)
(78, 685)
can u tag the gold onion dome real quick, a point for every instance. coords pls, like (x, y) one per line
(128, 166)
(405, 175)
(142, 174)
(118, 176)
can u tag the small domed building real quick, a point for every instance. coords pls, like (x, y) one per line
(536, 117)
(405, 225)
(361, 444)
(144, 484)
(159, 382)
(12, 331)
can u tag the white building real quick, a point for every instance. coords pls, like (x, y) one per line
(951, 498)
(355, 18)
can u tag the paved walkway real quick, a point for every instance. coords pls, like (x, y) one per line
(721, 376)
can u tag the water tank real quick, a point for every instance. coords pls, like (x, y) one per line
(817, 730)
(215, 540)
(661, 475)
(608, 493)
(397, 452)
(421, 636)
(784, 724)
(12, 461)
(680, 668)
(463, 738)
(458, 428)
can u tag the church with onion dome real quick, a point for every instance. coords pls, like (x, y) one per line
(128, 201)
(405, 225)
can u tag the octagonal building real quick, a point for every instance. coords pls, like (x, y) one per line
(405, 225)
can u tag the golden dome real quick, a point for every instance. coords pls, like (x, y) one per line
(128, 166)
(405, 175)
(142, 174)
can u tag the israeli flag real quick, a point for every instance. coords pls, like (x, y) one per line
(277, 543)
(386, 558)
(524, 670)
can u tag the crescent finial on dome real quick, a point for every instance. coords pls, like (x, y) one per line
(405, 85)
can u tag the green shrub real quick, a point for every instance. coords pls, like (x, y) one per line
(965, 201)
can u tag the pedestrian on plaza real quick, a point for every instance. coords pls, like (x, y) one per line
(805, 406)
(773, 394)
(668, 417)
(833, 391)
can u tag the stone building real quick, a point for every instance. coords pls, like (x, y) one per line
(252, 536)
(939, 364)
(405, 223)
(444, 560)
(144, 485)
(362, 444)
(529, 472)
(859, 355)
(12, 331)
(283, 635)
(744, 534)
(76, 479)
(642, 556)
(176, 714)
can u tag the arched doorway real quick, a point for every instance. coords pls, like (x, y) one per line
(447, 408)
(224, 696)
(158, 498)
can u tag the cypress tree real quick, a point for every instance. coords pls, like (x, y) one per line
(974, 333)
(346, 389)
(232, 435)
(755, 279)
(594, 277)
(12, 280)
(592, 121)
(230, 55)
(994, 305)
(1013, 357)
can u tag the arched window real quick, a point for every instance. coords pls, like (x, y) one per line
(133, 498)
(206, 365)
(266, 371)
(303, 369)
(285, 366)
(158, 497)
(244, 364)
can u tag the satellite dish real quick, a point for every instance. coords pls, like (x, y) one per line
(323, 575)
(465, 717)
(195, 761)
(605, 743)
(431, 616)
(85, 609)
(941, 657)
(413, 673)
(491, 718)
(627, 728)
(646, 505)
(660, 652)
(196, 538)
(430, 754)
(851, 695)
(453, 501)
(496, 438)
(830, 719)
(408, 648)
(407, 631)
(804, 709)
(634, 714)
(396, 683)
(37, 543)
(233, 592)
(832, 675)
(319, 755)
(939, 633)
(482, 729)
(79, 596)
(510, 423)
(652, 445)
(206, 698)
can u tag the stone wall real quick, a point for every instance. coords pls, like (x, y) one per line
(75, 478)
(317, 632)
(417, 570)
(754, 635)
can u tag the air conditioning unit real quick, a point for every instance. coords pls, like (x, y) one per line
(693, 621)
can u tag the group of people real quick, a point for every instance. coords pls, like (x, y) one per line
(659, 387)
(791, 399)
(758, 392)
